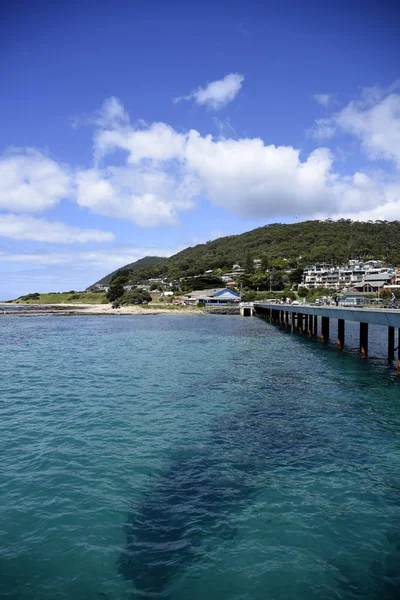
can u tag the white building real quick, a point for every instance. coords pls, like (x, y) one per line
(353, 275)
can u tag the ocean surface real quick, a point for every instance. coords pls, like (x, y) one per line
(195, 457)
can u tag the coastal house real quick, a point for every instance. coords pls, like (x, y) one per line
(213, 297)
(98, 287)
(375, 280)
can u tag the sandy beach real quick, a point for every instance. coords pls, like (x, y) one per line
(92, 309)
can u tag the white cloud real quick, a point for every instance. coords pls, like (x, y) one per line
(216, 94)
(323, 129)
(112, 259)
(26, 227)
(148, 195)
(377, 126)
(323, 99)
(374, 120)
(166, 171)
(111, 114)
(63, 271)
(31, 182)
(158, 141)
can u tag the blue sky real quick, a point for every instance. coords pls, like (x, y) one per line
(132, 128)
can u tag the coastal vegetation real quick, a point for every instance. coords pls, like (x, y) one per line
(279, 247)
(272, 260)
(71, 297)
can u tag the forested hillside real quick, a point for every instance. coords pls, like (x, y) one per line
(296, 244)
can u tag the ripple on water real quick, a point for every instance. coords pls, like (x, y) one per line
(194, 457)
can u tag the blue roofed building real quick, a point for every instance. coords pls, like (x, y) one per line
(213, 297)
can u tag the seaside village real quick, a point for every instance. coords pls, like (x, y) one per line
(353, 280)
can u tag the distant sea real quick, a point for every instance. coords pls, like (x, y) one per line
(192, 458)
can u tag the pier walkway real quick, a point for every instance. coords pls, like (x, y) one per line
(315, 320)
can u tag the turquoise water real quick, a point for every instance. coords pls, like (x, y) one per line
(191, 457)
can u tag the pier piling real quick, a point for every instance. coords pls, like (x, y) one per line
(398, 350)
(390, 343)
(364, 339)
(315, 326)
(340, 340)
(307, 322)
(325, 329)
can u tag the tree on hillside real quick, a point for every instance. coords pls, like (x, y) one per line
(264, 263)
(277, 282)
(201, 283)
(302, 292)
(296, 275)
(121, 277)
(249, 263)
(137, 296)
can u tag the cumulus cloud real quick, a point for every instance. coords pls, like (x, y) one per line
(377, 126)
(148, 195)
(166, 171)
(158, 141)
(374, 119)
(216, 94)
(31, 182)
(26, 227)
(150, 174)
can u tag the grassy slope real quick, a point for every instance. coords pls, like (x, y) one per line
(67, 298)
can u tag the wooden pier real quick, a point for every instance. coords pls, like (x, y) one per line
(315, 320)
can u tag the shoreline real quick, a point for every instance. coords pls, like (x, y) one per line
(8, 309)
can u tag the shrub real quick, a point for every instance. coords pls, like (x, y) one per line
(34, 296)
(136, 297)
(302, 292)
(116, 291)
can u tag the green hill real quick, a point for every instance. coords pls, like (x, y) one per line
(147, 261)
(296, 244)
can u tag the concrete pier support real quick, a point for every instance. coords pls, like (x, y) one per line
(364, 339)
(398, 351)
(390, 343)
(340, 335)
(325, 329)
(309, 325)
(307, 321)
